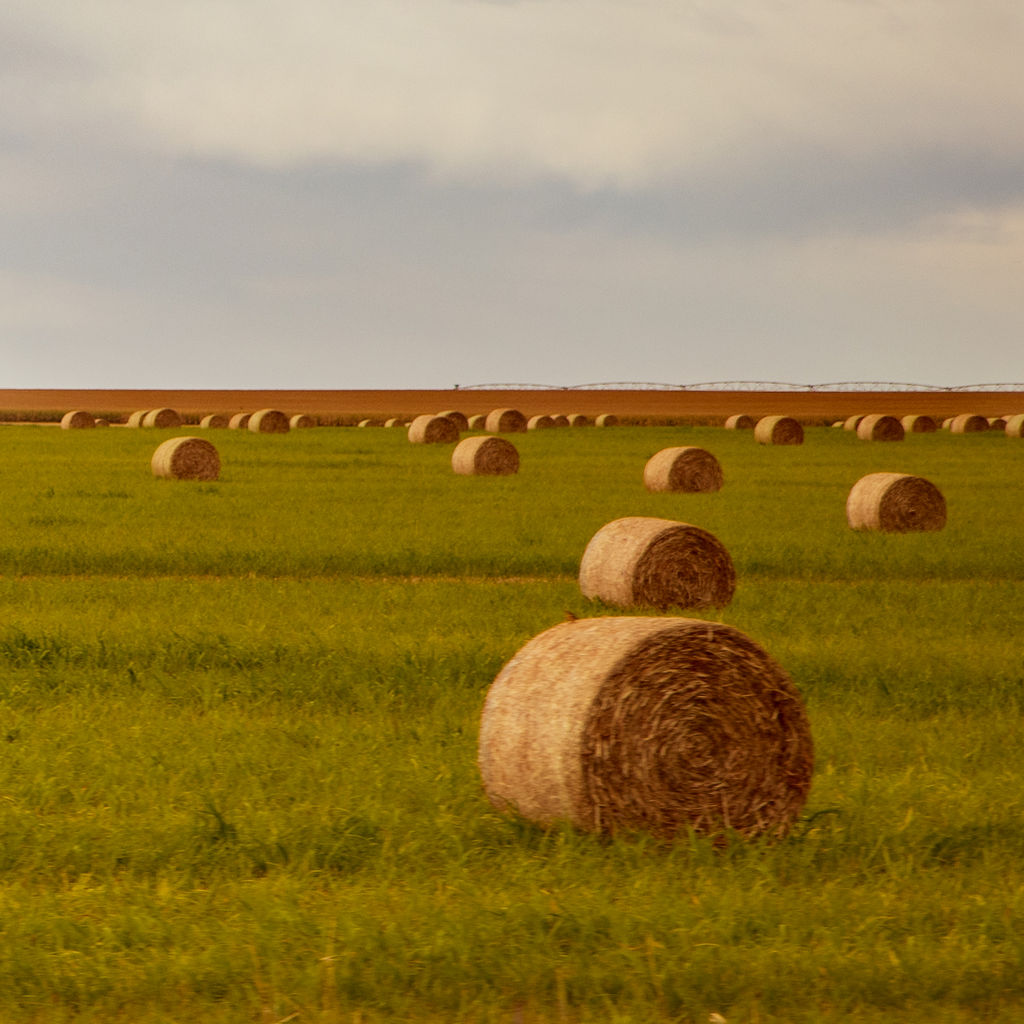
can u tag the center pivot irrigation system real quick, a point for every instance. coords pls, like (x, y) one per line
(741, 385)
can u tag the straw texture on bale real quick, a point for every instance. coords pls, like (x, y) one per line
(136, 418)
(77, 420)
(505, 421)
(478, 422)
(607, 419)
(895, 503)
(540, 422)
(162, 419)
(685, 468)
(739, 421)
(186, 458)
(852, 422)
(649, 724)
(460, 420)
(214, 421)
(968, 423)
(301, 421)
(485, 456)
(1015, 426)
(778, 430)
(878, 427)
(919, 424)
(240, 421)
(558, 420)
(577, 419)
(268, 421)
(429, 429)
(639, 561)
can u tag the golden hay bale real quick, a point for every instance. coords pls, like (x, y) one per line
(136, 418)
(429, 429)
(852, 422)
(162, 419)
(839, 424)
(540, 422)
(505, 421)
(478, 422)
(895, 503)
(240, 421)
(214, 421)
(879, 427)
(393, 421)
(301, 421)
(577, 419)
(778, 430)
(947, 423)
(1015, 426)
(485, 455)
(968, 423)
(650, 724)
(919, 424)
(186, 458)
(739, 421)
(77, 420)
(101, 422)
(684, 468)
(997, 423)
(656, 563)
(606, 419)
(367, 423)
(558, 420)
(459, 419)
(268, 421)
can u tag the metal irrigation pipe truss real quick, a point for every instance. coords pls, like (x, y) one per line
(741, 385)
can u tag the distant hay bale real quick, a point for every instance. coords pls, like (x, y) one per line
(505, 421)
(879, 427)
(968, 423)
(947, 423)
(577, 419)
(558, 420)
(852, 422)
(77, 420)
(778, 430)
(838, 424)
(660, 725)
(161, 419)
(656, 563)
(301, 421)
(459, 419)
(392, 422)
(485, 455)
(102, 422)
(268, 421)
(739, 421)
(895, 503)
(540, 422)
(606, 419)
(429, 429)
(367, 423)
(240, 421)
(997, 423)
(186, 458)
(1015, 426)
(214, 421)
(136, 418)
(919, 424)
(478, 422)
(685, 468)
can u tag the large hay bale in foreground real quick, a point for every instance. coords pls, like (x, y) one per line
(505, 421)
(485, 456)
(739, 421)
(136, 418)
(778, 430)
(685, 468)
(879, 427)
(240, 421)
(214, 421)
(660, 725)
(162, 419)
(968, 423)
(606, 419)
(640, 561)
(1015, 426)
(186, 458)
(460, 420)
(919, 424)
(77, 420)
(268, 421)
(301, 421)
(895, 503)
(540, 422)
(429, 429)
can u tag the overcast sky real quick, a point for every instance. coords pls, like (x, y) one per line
(418, 193)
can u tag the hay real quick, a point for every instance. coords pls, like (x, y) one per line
(461, 421)
(639, 561)
(301, 421)
(161, 419)
(214, 421)
(968, 423)
(997, 423)
(577, 419)
(186, 458)
(852, 422)
(101, 422)
(659, 725)
(683, 469)
(268, 421)
(429, 429)
(739, 421)
(919, 425)
(240, 421)
(1015, 426)
(367, 423)
(394, 421)
(505, 421)
(606, 419)
(895, 503)
(778, 430)
(77, 420)
(541, 422)
(485, 455)
(878, 427)
(136, 418)
(558, 420)
(478, 422)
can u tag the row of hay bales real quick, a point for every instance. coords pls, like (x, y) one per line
(264, 421)
(875, 426)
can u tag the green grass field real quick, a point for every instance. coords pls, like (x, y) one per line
(238, 726)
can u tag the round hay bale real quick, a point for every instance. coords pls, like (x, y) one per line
(778, 430)
(268, 421)
(838, 424)
(919, 425)
(878, 427)
(895, 503)
(639, 561)
(997, 423)
(214, 421)
(647, 724)
(101, 422)
(540, 422)
(461, 421)
(947, 423)
(1015, 426)
(739, 421)
(186, 458)
(505, 421)
(429, 429)
(577, 419)
(485, 455)
(606, 419)
(161, 419)
(968, 423)
(136, 418)
(367, 423)
(77, 420)
(683, 469)
(301, 421)
(240, 421)
(852, 422)
(558, 420)
(478, 422)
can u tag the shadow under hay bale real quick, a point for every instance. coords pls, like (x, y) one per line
(429, 429)
(639, 561)
(968, 423)
(186, 458)
(685, 468)
(778, 430)
(485, 456)
(214, 421)
(895, 503)
(540, 422)
(919, 425)
(268, 421)
(878, 427)
(739, 421)
(461, 421)
(77, 420)
(505, 421)
(647, 724)
(162, 419)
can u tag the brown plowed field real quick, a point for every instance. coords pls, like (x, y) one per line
(809, 406)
